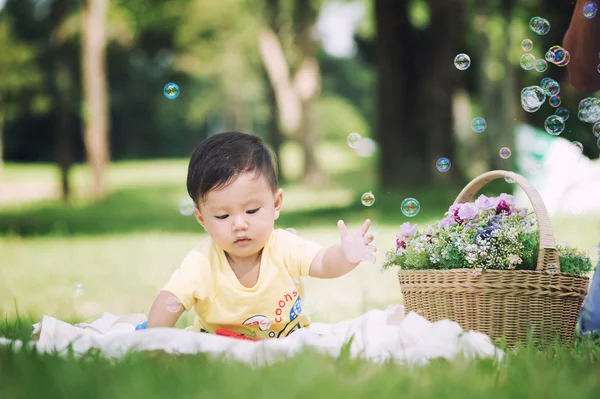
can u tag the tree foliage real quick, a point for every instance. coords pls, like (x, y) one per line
(20, 75)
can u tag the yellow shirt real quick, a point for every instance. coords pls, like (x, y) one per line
(271, 309)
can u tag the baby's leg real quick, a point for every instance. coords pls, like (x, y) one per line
(589, 318)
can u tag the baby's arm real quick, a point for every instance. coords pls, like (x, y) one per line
(164, 311)
(582, 41)
(340, 259)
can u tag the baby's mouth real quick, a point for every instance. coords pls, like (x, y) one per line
(242, 240)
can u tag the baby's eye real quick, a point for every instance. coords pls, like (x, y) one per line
(252, 211)
(221, 217)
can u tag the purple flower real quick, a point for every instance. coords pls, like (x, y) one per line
(453, 213)
(468, 211)
(445, 222)
(407, 230)
(453, 209)
(486, 203)
(503, 207)
(509, 199)
(400, 244)
(487, 231)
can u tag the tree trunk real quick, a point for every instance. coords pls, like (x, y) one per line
(274, 133)
(438, 83)
(507, 89)
(63, 86)
(96, 119)
(496, 108)
(415, 90)
(307, 84)
(296, 96)
(1, 141)
(402, 160)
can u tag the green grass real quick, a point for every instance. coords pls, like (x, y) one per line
(124, 248)
(556, 372)
(551, 374)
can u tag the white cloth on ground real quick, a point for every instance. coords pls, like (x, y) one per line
(378, 336)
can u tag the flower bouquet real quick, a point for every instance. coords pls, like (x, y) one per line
(490, 233)
(493, 267)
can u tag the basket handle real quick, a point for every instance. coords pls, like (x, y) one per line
(547, 255)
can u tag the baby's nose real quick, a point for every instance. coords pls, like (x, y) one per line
(239, 222)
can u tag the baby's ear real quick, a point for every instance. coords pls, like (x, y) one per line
(198, 216)
(278, 201)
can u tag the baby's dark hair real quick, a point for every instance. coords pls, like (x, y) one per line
(221, 158)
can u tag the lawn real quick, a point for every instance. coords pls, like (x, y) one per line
(123, 249)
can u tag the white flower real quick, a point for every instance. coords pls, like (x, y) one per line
(471, 258)
(514, 259)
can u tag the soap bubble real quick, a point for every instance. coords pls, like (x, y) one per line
(443, 164)
(509, 179)
(563, 113)
(410, 207)
(576, 208)
(529, 102)
(353, 140)
(541, 65)
(539, 25)
(590, 9)
(596, 129)
(577, 145)
(558, 56)
(505, 152)
(527, 61)
(462, 61)
(554, 125)
(79, 291)
(186, 206)
(366, 147)
(174, 305)
(554, 101)
(539, 92)
(598, 68)
(478, 125)
(532, 98)
(564, 60)
(171, 91)
(527, 45)
(544, 81)
(367, 199)
(589, 110)
(550, 86)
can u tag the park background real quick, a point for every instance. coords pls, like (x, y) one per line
(93, 154)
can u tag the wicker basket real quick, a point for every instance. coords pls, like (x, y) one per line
(516, 305)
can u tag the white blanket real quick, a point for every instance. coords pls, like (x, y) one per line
(378, 336)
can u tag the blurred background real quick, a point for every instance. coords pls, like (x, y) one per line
(101, 101)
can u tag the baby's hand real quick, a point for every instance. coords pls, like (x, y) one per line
(356, 246)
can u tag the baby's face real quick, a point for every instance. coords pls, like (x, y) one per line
(241, 216)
